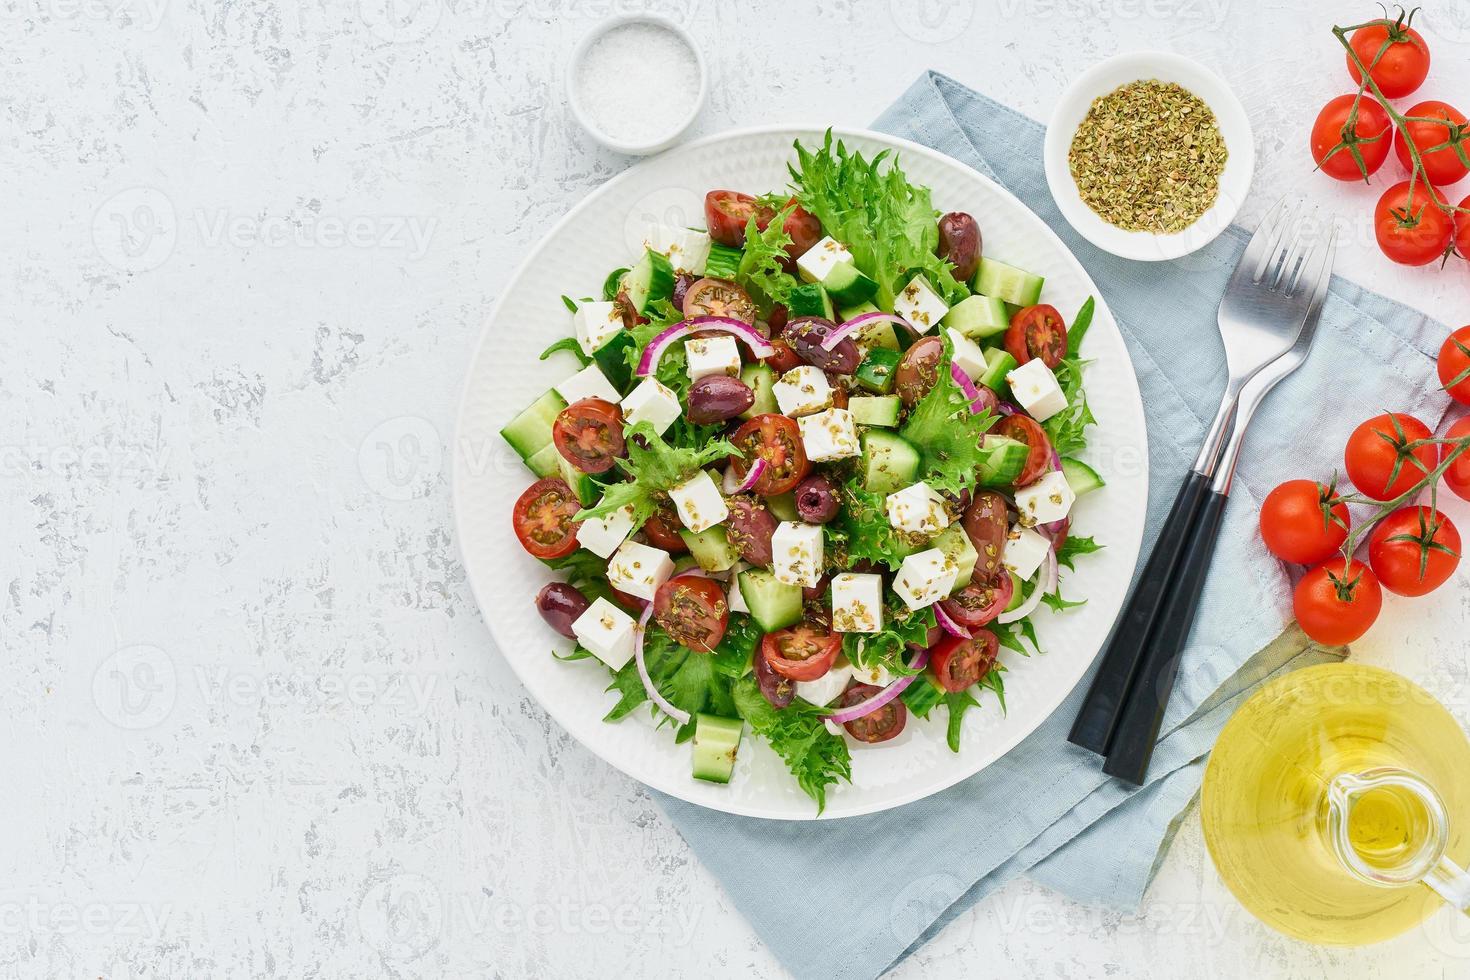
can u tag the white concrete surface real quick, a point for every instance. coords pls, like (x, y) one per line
(253, 723)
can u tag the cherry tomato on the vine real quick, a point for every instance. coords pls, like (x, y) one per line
(1414, 550)
(1381, 458)
(1337, 601)
(1351, 152)
(1397, 69)
(1457, 474)
(1411, 229)
(1454, 365)
(1303, 522)
(1440, 144)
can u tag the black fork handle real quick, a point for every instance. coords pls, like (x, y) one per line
(1138, 730)
(1103, 706)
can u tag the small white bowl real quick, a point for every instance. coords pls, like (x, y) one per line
(1103, 78)
(579, 110)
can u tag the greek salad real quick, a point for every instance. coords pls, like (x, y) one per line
(814, 473)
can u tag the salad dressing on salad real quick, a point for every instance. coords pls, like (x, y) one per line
(816, 470)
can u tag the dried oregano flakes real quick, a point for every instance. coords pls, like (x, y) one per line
(1148, 157)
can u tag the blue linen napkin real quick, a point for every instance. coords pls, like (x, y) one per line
(849, 898)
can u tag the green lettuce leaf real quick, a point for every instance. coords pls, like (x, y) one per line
(654, 467)
(888, 224)
(762, 273)
(1073, 547)
(861, 531)
(886, 648)
(689, 679)
(1067, 428)
(946, 433)
(815, 756)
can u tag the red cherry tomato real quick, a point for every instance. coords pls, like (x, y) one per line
(543, 519)
(1454, 365)
(1414, 550)
(718, 297)
(980, 601)
(777, 440)
(875, 726)
(803, 227)
(726, 214)
(1398, 70)
(1023, 428)
(1379, 460)
(959, 663)
(589, 434)
(662, 529)
(1304, 522)
(1336, 604)
(1437, 142)
(693, 611)
(1410, 229)
(784, 359)
(802, 652)
(1457, 475)
(1333, 140)
(1462, 229)
(1037, 331)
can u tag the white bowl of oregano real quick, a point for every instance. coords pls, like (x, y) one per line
(1149, 155)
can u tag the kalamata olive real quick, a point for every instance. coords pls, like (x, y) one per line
(959, 243)
(805, 335)
(749, 527)
(777, 320)
(985, 524)
(816, 593)
(717, 398)
(918, 369)
(560, 604)
(682, 282)
(816, 500)
(774, 688)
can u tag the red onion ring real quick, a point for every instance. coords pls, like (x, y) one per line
(654, 352)
(981, 399)
(850, 327)
(845, 715)
(679, 715)
(1047, 584)
(1006, 408)
(948, 623)
(752, 476)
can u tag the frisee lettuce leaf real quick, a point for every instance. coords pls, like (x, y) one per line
(654, 467)
(687, 678)
(762, 272)
(861, 531)
(815, 756)
(886, 648)
(1067, 428)
(1075, 546)
(888, 224)
(946, 433)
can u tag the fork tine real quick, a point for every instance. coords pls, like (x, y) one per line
(1323, 272)
(1247, 268)
(1276, 246)
(1283, 261)
(1303, 241)
(1323, 241)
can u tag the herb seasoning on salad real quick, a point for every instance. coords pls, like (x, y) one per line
(815, 472)
(1148, 157)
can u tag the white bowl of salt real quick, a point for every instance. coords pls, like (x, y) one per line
(636, 82)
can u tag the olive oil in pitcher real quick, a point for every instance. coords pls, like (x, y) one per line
(1333, 797)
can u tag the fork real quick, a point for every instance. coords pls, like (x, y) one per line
(1137, 732)
(1261, 314)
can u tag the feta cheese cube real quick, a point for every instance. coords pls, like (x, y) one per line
(652, 402)
(968, 356)
(589, 382)
(1024, 552)
(816, 262)
(639, 570)
(699, 502)
(1036, 390)
(736, 598)
(824, 689)
(711, 355)
(802, 391)
(917, 509)
(829, 435)
(877, 676)
(919, 304)
(602, 535)
(596, 323)
(796, 553)
(1047, 499)
(857, 602)
(686, 250)
(925, 578)
(607, 632)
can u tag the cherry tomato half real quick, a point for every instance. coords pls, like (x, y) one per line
(662, 528)
(876, 726)
(1414, 550)
(543, 519)
(1303, 522)
(1023, 428)
(777, 440)
(726, 214)
(980, 601)
(1378, 459)
(1437, 142)
(718, 297)
(1457, 476)
(1409, 228)
(1333, 141)
(1037, 332)
(801, 652)
(1397, 70)
(1454, 365)
(803, 227)
(1336, 603)
(589, 434)
(693, 611)
(1462, 229)
(959, 663)
(785, 358)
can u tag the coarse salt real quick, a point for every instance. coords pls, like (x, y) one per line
(637, 83)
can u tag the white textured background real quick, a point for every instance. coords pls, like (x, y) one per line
(253, 724)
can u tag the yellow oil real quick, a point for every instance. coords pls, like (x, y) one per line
(1264, 800)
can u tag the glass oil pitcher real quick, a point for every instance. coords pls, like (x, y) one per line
(1336, 805)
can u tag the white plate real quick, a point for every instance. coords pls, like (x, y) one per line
(603, 232)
